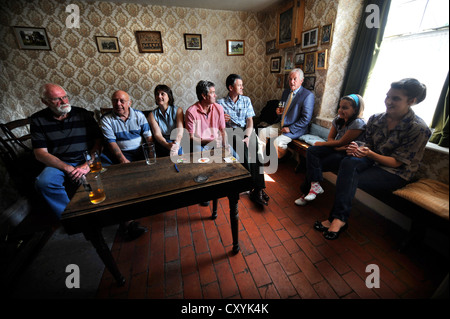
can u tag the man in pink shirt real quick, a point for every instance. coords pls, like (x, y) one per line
(205, 120)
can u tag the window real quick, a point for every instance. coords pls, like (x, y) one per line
(415, 44)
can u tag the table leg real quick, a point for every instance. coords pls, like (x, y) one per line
(95, 236)
(214, 210)
(234, 220)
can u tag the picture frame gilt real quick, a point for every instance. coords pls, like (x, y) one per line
(321, 59)
(235, 47)
(149, 41)
(290, 23)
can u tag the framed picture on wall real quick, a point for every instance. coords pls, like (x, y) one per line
(309, 82)
(326, 34)
(149, 41)
(275, 65)
(310, 63)
(270, 47)
(107, 44)
(279, 78)
(321, 60)
(192, 41)
(289, 60)
(299, 59)
(309, 38)
(32, 38)
(235, 47)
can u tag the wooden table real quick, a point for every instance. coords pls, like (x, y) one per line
(137, 190)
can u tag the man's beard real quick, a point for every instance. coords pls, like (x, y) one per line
(62, 109)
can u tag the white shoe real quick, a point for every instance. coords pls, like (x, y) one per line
(312, 194)
(301, 201)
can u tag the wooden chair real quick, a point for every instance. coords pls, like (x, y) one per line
(26, 225)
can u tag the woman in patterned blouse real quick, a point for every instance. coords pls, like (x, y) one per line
(395, 143)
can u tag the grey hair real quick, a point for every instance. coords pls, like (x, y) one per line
(299, 72)
(44, 89)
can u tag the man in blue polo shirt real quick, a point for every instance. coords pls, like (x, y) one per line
(125, 130)
(239, 114)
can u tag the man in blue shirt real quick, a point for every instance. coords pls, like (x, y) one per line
(125, 129)
(239, 114)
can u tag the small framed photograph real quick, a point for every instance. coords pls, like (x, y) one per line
(280, 78)
(321, 60)
(309, 82)
(32, 38)
(289, 60)
(149, 41)
(299, 59)
(275, 65)
(107, 44)
(235, 47)
(326, 34)
(192, 41)
(271, 47)
(309, 38)
(310, 63)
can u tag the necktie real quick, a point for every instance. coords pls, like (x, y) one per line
(286, 108)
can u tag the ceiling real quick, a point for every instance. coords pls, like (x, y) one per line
(232, 5)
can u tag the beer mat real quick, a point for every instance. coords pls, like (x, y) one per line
(230, 159)
(203, 160)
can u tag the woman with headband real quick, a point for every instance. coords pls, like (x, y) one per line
(326, 156)
(395, 143)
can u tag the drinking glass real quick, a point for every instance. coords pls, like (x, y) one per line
(94, 186)
(281, 106)
(94, 162)
(149, 153)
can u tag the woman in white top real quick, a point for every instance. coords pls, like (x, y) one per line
(348, 126)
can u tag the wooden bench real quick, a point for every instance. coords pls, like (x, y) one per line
(425, 201)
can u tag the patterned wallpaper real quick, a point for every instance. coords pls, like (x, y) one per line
(90, 77)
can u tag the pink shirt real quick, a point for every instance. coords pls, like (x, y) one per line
(202, 125)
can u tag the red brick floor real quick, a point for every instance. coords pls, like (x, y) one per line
(187, 255)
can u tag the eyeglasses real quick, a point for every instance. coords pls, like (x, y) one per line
(56, 99)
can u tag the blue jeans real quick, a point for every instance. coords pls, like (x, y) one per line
(54, 186)
(320, 159)
(360, 173)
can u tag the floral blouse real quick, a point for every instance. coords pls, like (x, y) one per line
(406, 142)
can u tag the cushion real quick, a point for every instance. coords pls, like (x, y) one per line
(311, 139)
(319, 131)
(427, 193)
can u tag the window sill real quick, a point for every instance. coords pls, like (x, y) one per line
(437, 148)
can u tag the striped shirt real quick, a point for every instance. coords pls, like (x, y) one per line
(129, 134)
(239, 111)
(66, 139)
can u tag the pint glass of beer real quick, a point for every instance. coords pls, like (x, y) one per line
(94, 162)
(92, 184)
